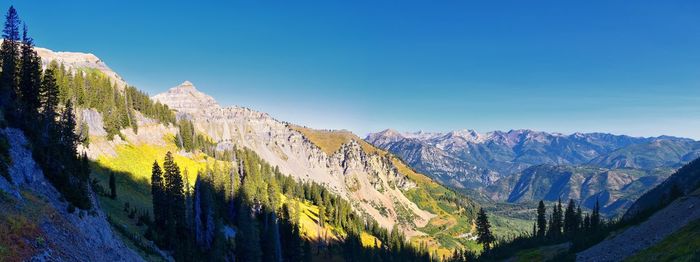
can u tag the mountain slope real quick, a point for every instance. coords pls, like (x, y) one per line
(466, 158)
(615, 189)
(685, 180)
(36, 224)
(656, 228)
(375, 182)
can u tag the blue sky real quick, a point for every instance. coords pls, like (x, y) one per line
(562, 66)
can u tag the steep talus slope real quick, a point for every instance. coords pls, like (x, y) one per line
(478, 160)
(36, 222)
(615, 189)
(367, 179)
(639, 237)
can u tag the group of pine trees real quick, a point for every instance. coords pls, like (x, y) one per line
(236, 211)
(29, 99)
(562, 225)
(189, 139)
(565, 223)
(89, 88)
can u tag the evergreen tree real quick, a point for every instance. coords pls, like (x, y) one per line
(483, 230)
(570, 218)
(541, 220)
(29, 82)
(68, 139)
(595, 217)
(158, 193)
(321, 216)
(175, 199)
(112, 186)
(579, 218)
(9, 53)
(248, 236)
(49, 102)
(557, 220)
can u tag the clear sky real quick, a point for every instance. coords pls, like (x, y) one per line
(562, 66)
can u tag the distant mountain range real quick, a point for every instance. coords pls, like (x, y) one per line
(526, 165)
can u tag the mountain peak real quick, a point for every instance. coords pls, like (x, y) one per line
(187, 84)
(186, 98)
(390, 133)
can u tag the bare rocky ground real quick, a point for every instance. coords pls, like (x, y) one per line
(642, 236)
(65, 236)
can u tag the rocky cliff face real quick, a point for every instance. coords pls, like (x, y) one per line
(46, 230)
(368, 180)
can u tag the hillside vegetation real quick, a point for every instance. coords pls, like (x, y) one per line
(452, 227)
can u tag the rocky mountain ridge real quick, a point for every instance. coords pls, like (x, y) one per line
(369, 181)
(468, 159)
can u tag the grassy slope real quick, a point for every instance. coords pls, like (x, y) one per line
(20, 233)
(133, 166)
(442, 231)
(683, 245)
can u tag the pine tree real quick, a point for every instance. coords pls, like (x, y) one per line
(541, 220)
(158, 193)
(49, 99)
(579, 219)
(248, 236)
(9, 53)
(175, 199)
(321, 216)
(112, 186)
(595, 217)
(29, 81)
(570, 218)
(483, 230)
(68, 139)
